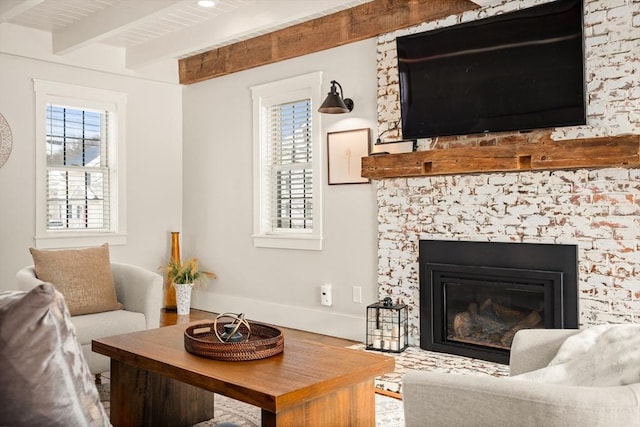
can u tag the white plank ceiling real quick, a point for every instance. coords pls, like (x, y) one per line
(156, 30)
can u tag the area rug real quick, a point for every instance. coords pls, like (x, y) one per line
(389, 411)
(415, 358)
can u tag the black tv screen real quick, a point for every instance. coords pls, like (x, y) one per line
(521, 70)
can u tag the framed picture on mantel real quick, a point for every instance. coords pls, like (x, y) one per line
(345, 151)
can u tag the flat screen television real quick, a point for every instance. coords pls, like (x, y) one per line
(520, 70)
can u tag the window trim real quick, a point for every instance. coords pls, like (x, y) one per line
(81, 97)
(265, 95)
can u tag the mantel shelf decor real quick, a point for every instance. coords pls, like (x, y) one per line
(618, 151)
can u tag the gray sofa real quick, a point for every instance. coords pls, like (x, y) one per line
(139, 291)
(45, 380)
(445, 399)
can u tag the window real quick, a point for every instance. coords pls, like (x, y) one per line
(287, 184)
(77, 169)
(79, 146)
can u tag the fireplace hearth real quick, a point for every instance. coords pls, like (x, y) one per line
(474, 296)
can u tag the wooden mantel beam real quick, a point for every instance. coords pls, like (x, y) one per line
(351, 25)
(618, 151)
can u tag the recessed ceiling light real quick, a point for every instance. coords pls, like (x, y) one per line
(206, 3)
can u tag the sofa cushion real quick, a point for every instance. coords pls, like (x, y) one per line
(92, 326)
(45, 380)
(83, 276)
(599, 356)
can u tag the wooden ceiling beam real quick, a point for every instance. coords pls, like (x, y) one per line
(351, 25)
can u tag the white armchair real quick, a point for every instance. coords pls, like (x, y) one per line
(139, 291)
(444, 399)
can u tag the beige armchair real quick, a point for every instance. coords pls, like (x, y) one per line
(444, 399)
(139, 291)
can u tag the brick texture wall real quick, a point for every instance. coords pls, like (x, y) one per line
(599, 209)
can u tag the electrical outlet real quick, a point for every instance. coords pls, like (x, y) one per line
(325, 294)
(357, 294)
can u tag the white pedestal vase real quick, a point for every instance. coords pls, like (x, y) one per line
(183, 297)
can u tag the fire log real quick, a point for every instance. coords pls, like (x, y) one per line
(532, 320)
(462, 324)
(488, 325)
(509, 313)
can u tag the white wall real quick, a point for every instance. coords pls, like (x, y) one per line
(153, 152)
(277, 285)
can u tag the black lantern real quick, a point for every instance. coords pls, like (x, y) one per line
(387, 326)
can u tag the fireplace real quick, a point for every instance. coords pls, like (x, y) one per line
(474, 296)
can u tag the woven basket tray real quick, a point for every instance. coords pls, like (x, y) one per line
(265, 341)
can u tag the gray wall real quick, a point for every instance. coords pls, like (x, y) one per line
(278, 285)
(153, 154)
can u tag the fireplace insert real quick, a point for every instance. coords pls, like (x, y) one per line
(474, 296)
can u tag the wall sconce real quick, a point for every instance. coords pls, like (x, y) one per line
(335, 103)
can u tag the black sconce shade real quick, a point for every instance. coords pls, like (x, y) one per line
(335, 103)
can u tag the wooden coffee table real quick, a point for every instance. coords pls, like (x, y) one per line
(155, 382)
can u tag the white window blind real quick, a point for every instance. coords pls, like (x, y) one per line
(78, 189)
(290, 168)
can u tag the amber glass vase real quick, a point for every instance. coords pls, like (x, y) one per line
(169, 290)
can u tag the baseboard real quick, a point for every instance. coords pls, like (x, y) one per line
(306, 319)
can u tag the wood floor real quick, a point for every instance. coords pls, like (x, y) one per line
(168, 317)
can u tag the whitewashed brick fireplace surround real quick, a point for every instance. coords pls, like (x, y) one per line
(597, 209)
